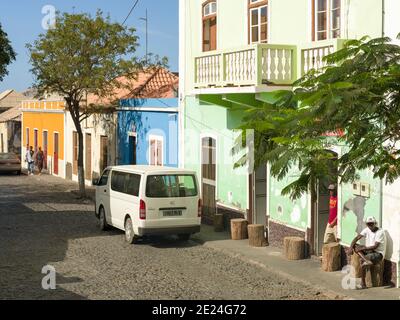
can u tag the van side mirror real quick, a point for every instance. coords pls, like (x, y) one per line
(95, 182)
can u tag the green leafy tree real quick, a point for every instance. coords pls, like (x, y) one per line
(357, 95)
(7, 54)
(84, 55)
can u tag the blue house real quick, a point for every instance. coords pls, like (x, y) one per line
(147, 132)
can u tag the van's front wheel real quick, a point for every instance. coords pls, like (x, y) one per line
(129, 233)
(102, 219)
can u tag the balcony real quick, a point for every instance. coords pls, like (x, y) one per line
(261, 67)
(312, 55)
(254, 66)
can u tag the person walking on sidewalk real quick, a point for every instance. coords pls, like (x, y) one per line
(331, 228)
(29, 159)
(40, 160)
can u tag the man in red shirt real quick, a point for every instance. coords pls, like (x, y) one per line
(331, 228)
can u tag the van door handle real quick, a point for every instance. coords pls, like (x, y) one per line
(105, 191)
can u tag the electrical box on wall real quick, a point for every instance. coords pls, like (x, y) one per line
(357, 188)
(365, 190)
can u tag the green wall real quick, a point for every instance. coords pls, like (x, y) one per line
(282, 209)
(202, 120)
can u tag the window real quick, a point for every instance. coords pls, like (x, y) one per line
(210, 26)
(326, 19)
(156, 151)
(2, 144)
(104, 178)
(171, 186)
(258, 21)
(127, 183)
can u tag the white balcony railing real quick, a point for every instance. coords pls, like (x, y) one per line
(255, 65)
(312, 55)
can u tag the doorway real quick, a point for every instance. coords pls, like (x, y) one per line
(260, 195)
(56, 153)
(321, 204)
(132, 150)
(45, 148)
(88, 145)
(103, 153)
(209, 176)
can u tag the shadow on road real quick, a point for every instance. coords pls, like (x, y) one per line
(35, 233)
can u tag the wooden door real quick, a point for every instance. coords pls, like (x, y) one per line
(56, 153)
(45, 148)
(35, 140)
(103, 153)
(209, 177)
(88, 157)
(75, 141)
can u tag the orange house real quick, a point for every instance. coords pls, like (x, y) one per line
(43, 126)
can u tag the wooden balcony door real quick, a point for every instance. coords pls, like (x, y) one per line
(210, 34)
(209, 177)
(88, 156)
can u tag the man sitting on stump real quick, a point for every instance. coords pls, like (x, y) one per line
(374, 249)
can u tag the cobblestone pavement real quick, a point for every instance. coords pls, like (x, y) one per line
(42, 223)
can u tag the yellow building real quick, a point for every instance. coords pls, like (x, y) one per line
(43, 126)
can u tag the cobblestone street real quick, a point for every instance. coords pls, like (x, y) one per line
(42, 223)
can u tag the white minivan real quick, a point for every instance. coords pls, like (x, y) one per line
(148, 200)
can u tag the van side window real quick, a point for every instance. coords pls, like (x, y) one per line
(133, 185)
(118, 181)
(126, 183)
(104, 178)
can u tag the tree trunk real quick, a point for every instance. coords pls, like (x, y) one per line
(331, 257)
(74, 110)
(256, 235)
(294, 248)
(356, 271)
(374, 275)
(239, 229)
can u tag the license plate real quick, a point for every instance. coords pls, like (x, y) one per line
(172, 213)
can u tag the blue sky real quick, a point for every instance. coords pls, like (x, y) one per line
(22, 20)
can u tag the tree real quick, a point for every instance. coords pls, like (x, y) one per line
(357, 95)
(82, 55)
(7, 54)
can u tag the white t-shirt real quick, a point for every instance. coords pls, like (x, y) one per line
(373, 237)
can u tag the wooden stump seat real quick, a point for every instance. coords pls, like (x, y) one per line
(331, 257)
(256, 235)
(239, 229)
(294, 248)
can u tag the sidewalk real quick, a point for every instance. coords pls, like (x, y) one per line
(305, 271)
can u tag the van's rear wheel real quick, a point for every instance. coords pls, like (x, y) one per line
(184, 237)
(129, 233)
(102, 219)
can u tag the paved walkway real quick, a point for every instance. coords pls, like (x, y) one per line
(307, 271)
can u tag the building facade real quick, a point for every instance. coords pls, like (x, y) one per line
(148, 132)
(43, 125)
(234, 53)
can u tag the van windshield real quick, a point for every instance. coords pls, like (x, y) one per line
(171, 186)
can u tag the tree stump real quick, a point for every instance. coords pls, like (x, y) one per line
(256, 235)
(374, 275)
(219, 222)
(294, 248)
(239, 229)
(356, 271)
(331, 257)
